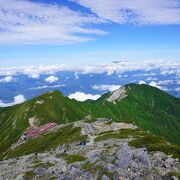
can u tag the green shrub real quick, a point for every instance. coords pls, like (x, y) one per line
(28, 175)
(74, 158)
(174, 173)
(155, 143)
(43, 165)
(123, 133)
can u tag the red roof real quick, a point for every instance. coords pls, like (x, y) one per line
(36, 131)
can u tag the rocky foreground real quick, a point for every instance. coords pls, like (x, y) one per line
(101, 158)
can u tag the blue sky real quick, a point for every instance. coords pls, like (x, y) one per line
(88, 32)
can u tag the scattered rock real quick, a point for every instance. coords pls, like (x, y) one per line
(141, 156)
(74, 170)
(109, 159)
(174, 178)
(111, 168)
(94, 156)
(104, 177)
(88, 129)
(124, 155)
(40, 171)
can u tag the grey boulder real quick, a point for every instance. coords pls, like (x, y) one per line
(124, 156)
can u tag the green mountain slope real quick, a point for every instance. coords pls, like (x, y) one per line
(49, 107)
(145, 106)
(150, 109)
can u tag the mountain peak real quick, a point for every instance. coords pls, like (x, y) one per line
(117, 94)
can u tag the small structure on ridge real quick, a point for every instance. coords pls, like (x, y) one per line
(37, 131)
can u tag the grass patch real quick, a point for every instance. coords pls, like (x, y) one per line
(42, 177)
(97, 170)
(74, 158)
(90, 167)
(36, 160)
(143, 139)
(108, 123)
(121, 134)
(51, 140)
(43, 165)
(108, 149)
(28, 175)
(89, 120)
(155, 143)
(174, 173)
(52, 178)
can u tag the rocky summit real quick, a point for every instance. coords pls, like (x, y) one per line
(95, 149)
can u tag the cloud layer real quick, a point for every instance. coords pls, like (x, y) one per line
(165, 67)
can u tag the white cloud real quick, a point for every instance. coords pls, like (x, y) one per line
(106, 87)
(46, 87)
(34, 76)
(169, 71)
(51, 79)
(76, 76)
(25, 22)
(144, 74)
(81, 96)
(150, 74)
(6, 79)
(165, 82)
(178, 82)
(155, 84)
(136, 11)
(151, 79)
(17, 100)
(142, 82)
(177, 89)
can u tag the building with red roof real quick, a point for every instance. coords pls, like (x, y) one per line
(37, 131)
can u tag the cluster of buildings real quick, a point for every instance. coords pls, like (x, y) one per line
(37, 131)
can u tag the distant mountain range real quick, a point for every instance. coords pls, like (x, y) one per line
(145, 106)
